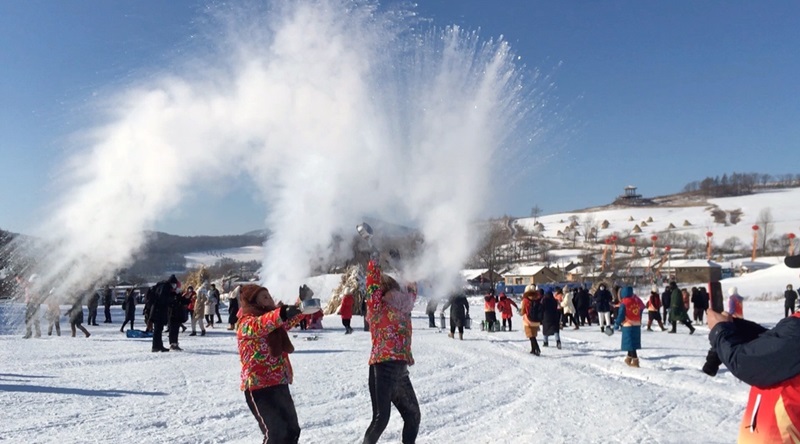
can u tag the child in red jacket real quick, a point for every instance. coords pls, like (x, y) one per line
(346, 311)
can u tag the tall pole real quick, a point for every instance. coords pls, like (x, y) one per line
(755, 242)
(708, 245)
(791, 244)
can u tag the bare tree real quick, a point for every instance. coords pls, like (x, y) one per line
(536, 212)
(731, 244)
(490, 253)
(765, 221)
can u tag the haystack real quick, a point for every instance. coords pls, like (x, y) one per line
(670, 227)
(686, 223)
(605, 224)
(352, 281)
(637, 229)
(650, 219)
(644, 223)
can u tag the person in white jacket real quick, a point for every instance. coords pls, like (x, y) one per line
(211, 305)
(569, 309)
(200, 310)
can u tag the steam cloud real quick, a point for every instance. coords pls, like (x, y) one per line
(335, 109)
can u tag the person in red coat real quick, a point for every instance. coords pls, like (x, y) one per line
(264, 348)
(504, 305)
(389, 315)
(346, 311)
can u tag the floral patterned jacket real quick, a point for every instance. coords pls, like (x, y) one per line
(259, 368)
(389, 317)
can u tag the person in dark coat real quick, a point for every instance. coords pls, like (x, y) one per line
(583, 302)
(233, 307)
(459, 312)
(75, 315)
(677, 312)
(603, 299)
(178, 314)
(163, 297)
(789, 298)
(666, 302)
(769, 361)
(107, 299)
(129, 305)
(702, 303)
(551, 319)
(430, 310)
(92, 304)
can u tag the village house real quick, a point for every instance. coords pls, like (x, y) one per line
(531, 274)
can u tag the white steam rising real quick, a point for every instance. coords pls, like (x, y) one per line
(336, 110)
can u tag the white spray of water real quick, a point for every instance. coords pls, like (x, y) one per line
(336, 110)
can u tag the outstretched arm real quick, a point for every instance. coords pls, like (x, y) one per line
(762, 360)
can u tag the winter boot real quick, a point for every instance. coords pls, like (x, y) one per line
(461, 336)
(649, 329)
(628, 360)
(194, 333)
(635, 362)
(558, 345)
(175, 347)
(536, 350)
(545, 344)
(450, 335)
(202, 333)
(602, 329)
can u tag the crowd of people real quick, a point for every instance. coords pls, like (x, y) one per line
(264, 346)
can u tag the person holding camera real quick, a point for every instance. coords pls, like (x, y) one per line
(767, 360)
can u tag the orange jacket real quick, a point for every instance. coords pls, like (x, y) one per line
(505, 307)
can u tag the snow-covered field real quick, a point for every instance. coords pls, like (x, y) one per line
(485, 389)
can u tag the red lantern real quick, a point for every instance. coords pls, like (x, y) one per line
(709, 234)
(755, 227)
(613, 238)
(791, 236)
(654, 238)
(633, 240)
(668, 248)
(608, 241)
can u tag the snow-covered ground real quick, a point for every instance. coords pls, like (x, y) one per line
(485, 389)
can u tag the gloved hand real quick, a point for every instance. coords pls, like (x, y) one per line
(289, 312)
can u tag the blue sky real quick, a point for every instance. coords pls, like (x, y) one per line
(653, 94)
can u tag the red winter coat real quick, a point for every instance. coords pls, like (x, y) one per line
(259, 368)
(505, 307)
(346, 309)
(389, 317)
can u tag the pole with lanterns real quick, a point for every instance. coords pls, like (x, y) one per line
(613, 250)
(708, 245)
(755, 242)
(791, 237)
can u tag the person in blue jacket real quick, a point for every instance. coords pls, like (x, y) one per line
(629, 320)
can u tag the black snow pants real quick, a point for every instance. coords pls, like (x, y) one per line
(389, 384)
(274, 410)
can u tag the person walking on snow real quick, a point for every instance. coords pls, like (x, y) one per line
(211, 305)
(264, 348)
(459, 311)
(532, 316)
(504, 305)
(346, 310)
(75, 315)
(568, 307)
(629, 320)
(199, 312)
(677, 311)
(389, 315)
(603, 300)
(92, 304)
(735, 303)
(489, 304)
(129, 306)
(666, 303)
(790, 298)
(551, 319)
(108, 296)
(52, 314)
(430, 310)
(653, 308)
(233, 307)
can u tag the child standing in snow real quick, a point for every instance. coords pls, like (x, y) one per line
(504, 305)
(629, 319)
(346, 310)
